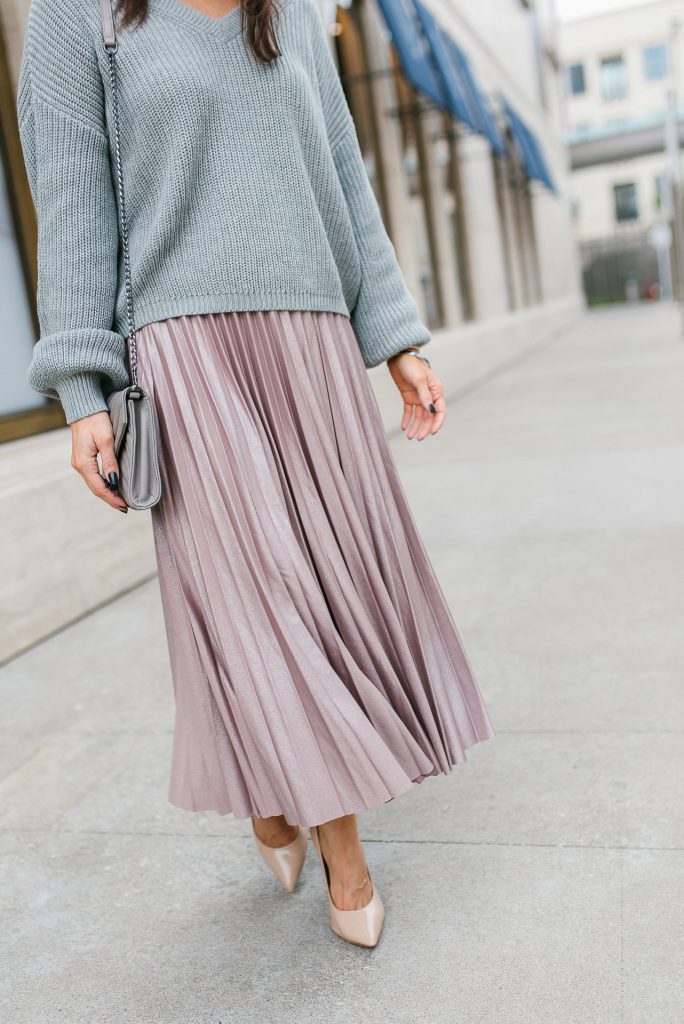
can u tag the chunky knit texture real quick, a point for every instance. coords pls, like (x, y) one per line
(245, 187)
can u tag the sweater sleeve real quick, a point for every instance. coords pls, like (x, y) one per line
(385, 318)
(60, 108)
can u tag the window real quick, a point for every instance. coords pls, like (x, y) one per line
(614, 82)
(626, 205)
(655, 62)
(576, 81)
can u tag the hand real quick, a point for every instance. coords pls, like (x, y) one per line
(91, 435)
(422, 392)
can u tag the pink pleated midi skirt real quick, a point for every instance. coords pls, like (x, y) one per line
(316, 666)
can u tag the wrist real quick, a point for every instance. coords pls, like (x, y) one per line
(412, 350)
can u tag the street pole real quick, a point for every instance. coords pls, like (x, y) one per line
(675, 175)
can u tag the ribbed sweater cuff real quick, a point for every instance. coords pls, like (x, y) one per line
(71, 366)
(385, 316)
(377, 348)
(81, 396)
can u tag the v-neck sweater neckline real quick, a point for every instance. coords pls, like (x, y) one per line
(227, 26)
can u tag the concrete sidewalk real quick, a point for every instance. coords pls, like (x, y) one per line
(541, 882)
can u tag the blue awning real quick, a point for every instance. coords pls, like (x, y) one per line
(453, 84)
(413, 49)
(528, 147)
(437, 67)
(482, 112)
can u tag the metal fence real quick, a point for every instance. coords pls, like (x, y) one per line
(619, 269)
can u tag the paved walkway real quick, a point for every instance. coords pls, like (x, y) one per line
(541, 882)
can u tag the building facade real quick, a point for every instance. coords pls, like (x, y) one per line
(624, 93)
(458, 111)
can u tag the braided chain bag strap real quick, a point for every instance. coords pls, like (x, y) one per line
(130, 409)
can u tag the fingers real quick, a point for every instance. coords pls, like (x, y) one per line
(110, 467)
(437, 392)
(89, 436)
(426, 410)
(426, 404)
(420, 425)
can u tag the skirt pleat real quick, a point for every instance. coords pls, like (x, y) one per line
(316, 666)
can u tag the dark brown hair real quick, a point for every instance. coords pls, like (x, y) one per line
(258, 19)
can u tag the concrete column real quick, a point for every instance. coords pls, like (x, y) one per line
(487, 260)
(511, 234)
(528, 268)
(390, 146)
(537, 290)
(461, 228)
(439, 209)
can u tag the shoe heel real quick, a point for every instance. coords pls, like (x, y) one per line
(361, 927)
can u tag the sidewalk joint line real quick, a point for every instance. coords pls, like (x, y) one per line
(52, 832)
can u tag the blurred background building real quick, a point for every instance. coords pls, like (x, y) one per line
(625, 125)
(459, 111)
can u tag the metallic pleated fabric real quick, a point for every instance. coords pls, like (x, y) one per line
(316, 666)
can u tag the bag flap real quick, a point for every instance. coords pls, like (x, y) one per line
(119, 413)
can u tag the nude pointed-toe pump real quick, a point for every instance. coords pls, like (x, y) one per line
(361, 927)
(285, 862)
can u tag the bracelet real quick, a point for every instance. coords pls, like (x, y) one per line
(416, 352)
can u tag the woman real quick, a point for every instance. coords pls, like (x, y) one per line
(317, 670)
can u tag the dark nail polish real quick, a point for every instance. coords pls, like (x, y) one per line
(113, 480)
(431, 407)
(124, 510)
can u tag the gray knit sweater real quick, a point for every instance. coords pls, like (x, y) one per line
(245, 187)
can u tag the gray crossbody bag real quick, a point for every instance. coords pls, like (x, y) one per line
(130, 409)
